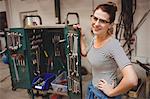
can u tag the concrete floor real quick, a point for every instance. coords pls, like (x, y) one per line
(7, 93)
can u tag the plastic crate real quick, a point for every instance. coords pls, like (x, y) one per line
(43, 81)
(60, 83)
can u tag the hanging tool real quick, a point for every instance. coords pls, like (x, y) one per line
(125, 27)
(14, 40)
(15, 67)
(73, 56)
(38, 59)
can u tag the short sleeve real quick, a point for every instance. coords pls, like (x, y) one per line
(90, 45)
(119, 55)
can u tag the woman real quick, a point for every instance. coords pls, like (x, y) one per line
(106, 55)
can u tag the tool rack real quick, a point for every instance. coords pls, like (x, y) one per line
(73, 64)
(73, 58)
(33, 51)
(37, 50)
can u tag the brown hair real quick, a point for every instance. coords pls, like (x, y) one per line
(109, 8)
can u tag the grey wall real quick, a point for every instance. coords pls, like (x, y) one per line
(143, 35)
(45, 8)
(2, 6)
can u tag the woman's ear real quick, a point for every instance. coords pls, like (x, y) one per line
(110, 29)
(111, 25)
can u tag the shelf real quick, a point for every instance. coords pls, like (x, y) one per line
(44, 92)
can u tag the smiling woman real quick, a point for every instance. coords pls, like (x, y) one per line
(105, 56)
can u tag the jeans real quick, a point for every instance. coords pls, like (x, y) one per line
(94, 93)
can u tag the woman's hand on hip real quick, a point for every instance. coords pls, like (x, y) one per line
(106, 87)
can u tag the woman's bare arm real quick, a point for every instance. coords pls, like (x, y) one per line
(128, 81)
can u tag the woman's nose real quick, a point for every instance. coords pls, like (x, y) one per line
(97, 22)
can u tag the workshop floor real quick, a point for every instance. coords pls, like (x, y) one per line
(7, 93)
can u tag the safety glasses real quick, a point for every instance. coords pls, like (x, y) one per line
(94, 19)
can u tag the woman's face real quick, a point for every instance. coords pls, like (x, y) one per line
(100, 22)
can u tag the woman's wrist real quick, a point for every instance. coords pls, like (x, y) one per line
(111, 93)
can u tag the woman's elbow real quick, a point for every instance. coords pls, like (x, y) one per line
(134, 81)
(131, 76)
(84, 53)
